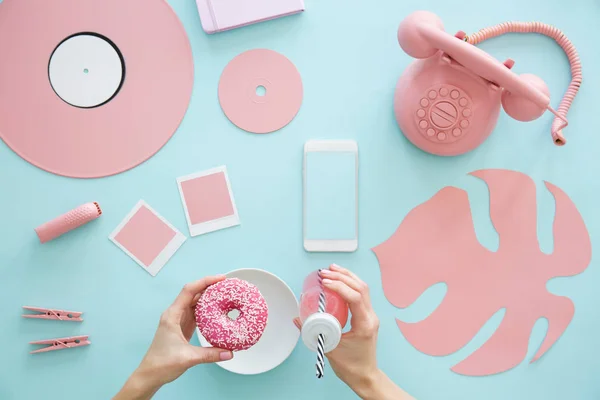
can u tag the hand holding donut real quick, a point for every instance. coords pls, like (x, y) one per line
(170, 353)
(354, 361)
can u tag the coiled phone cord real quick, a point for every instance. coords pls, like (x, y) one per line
(560, 120)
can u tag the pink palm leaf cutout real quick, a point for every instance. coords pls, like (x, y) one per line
(436, 243)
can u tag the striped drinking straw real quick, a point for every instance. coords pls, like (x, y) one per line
(321, 339)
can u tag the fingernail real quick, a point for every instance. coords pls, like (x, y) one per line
(325, 271)
(327, 281)
(226, 355)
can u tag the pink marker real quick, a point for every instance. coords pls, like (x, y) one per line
(69, 221)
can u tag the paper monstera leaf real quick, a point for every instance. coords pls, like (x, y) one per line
(436, 243)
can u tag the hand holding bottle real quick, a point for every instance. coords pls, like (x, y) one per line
(354, 360)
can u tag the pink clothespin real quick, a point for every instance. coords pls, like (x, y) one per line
(47, 313)
(61, 343)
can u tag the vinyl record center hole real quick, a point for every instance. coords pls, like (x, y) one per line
(261, 90)
(233, 314)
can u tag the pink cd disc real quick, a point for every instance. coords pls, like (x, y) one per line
(91, 88)
(260, 91)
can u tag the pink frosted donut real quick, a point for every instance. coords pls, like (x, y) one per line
(222, 331)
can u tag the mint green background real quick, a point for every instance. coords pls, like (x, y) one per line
(349, 59)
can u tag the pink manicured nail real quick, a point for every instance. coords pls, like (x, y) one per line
(325, 272)
(297, 323)
(226, 355)
(327, 281)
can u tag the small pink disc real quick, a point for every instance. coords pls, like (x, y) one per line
(241, 84)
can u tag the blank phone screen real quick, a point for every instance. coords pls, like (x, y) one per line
(330, 195)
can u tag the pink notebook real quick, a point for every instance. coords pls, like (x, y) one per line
(222, 15)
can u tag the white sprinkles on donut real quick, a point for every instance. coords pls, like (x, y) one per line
(221, 298)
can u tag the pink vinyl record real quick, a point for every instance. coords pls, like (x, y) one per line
(97, 87)
(260, 91)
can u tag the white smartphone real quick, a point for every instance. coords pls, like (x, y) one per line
(330, 196)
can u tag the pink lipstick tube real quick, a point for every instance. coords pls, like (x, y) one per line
(69, 221)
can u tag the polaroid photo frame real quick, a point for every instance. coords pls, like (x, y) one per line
(148, 238)
(208, 201)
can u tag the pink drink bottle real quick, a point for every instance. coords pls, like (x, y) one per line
(315, 322)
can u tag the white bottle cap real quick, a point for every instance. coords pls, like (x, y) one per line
(324, 324)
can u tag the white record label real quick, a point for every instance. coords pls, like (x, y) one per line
(86, 70)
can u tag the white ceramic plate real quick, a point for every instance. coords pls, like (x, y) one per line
(280, 336)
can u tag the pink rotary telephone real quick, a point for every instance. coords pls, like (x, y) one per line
(447, 102)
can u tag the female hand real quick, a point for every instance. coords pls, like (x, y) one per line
(355, 358)
(170, 353)
(354, 361)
